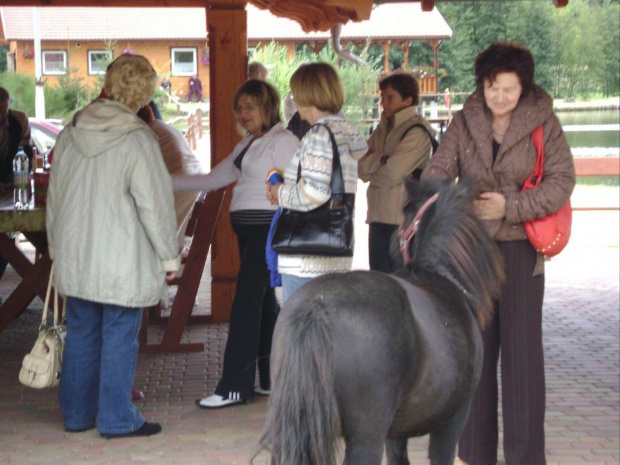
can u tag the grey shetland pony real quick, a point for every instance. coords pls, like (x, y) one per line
(379, 358)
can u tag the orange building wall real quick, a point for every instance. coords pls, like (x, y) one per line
(158, 53)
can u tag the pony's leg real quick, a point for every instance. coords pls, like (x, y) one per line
(363, 452)
(396, 451)
(443, 441)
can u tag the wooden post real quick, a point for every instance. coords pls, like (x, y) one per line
(227, 28)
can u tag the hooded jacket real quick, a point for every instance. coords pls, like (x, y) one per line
(110, 212)
(466, 151)
(315, 154)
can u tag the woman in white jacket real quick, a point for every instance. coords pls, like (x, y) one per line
(267, 145)
(112, 234)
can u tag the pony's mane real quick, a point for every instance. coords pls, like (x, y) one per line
(452, 242)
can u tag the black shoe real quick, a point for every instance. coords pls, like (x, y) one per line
(78, 430)
(147, 429)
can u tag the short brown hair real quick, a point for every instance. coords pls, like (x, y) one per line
(130, 80)
(505, 57)
(266, 97)
(318, 85)
(405, 84)
(257, 70)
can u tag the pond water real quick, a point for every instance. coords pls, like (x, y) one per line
(592, 133)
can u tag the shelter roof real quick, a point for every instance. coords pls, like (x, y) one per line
(387, 21)
(168, 23)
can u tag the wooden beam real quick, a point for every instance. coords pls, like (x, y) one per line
(227, 26)
(428, 5)
(108, 3)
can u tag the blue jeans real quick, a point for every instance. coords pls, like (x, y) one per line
(290, 284)
(99, 363)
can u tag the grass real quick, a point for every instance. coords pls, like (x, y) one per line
(599, 181)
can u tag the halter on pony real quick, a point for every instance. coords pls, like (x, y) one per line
(405, 235)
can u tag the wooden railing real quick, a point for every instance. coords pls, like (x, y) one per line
(194, 128)
(602, 166)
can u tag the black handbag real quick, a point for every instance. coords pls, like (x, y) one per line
(324, 231)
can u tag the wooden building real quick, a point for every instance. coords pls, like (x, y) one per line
(81, 41)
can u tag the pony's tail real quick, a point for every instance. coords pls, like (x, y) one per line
(303, 421)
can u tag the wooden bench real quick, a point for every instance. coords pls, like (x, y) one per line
(201, 227)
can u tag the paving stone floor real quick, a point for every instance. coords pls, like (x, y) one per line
(581, 337)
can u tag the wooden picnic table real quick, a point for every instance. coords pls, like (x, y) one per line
(35, 275)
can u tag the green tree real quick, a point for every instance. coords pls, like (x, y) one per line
(608, 19)
(578, 50)
(531, 25)
(475, 25)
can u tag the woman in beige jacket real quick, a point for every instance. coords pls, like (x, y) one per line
(397, 147)
(490, 142)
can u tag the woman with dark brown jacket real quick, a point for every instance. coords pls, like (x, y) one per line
(490, 142)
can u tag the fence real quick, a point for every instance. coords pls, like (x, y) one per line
(194, 128)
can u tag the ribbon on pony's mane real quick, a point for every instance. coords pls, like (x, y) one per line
(405, 235)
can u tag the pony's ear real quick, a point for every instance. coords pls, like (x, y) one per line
(413, 188)
(421, 190)
(466, 186)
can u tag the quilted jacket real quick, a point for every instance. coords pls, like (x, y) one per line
(466, 151)
(110, 212)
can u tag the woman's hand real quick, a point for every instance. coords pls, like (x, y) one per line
(272, 193)
(170, 275)
(491, 206)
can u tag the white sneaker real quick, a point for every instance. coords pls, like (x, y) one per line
(261, 392)
(458, 461)
(216, 401)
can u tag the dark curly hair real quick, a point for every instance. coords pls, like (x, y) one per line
(405, 84)
(505, 57)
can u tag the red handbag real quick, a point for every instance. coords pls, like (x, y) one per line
(549, 234)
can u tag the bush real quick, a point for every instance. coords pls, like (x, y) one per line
(21, 89)
(360, 81)
(60, 102)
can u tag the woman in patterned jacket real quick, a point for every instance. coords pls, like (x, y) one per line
(319, 96)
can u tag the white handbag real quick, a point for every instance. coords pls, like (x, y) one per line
(42, 366)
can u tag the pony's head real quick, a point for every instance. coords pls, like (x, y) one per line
(442, 236)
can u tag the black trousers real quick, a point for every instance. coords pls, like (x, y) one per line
(515, 333)
(379, 238)
(253, 317)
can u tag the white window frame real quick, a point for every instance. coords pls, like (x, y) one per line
(175, 71)
(47, 71)
(92, 71)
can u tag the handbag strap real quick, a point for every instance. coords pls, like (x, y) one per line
(337, 181)
(537, 138)
(47, 300)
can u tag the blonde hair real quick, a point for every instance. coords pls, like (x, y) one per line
(318, 85)
(130, 80)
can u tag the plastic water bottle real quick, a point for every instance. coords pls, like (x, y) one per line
(21, 180)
